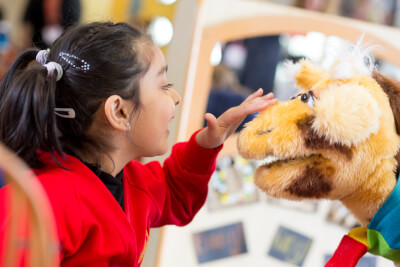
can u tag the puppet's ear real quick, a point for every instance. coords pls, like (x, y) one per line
(392, 89)
(310, 77)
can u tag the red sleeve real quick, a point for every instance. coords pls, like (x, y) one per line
(187, 173)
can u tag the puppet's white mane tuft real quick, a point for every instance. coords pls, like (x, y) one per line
(352, 60)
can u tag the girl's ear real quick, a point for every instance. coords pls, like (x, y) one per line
(116, 111)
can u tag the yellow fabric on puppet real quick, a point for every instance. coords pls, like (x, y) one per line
(337, 139)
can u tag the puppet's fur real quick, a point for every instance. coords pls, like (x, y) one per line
(337, 142)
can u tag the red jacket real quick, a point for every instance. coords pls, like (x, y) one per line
(93, 229)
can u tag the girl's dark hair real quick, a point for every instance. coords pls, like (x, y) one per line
(28, 123)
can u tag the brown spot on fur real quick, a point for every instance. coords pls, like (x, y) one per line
(311, 183)
(314, 141)
(392, 89)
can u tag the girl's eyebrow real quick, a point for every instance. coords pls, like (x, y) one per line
(163, 70)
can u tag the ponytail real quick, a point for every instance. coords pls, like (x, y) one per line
(27, 103)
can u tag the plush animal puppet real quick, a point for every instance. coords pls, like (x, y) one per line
(337, 139)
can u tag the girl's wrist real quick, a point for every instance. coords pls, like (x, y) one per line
(200, 139)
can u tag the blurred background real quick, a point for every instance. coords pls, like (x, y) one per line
(251, 63)
(239, 68)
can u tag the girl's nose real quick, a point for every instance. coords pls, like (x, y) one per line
(175, 96)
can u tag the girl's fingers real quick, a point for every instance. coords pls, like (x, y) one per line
(268, 96)
(238, 113)
(257, 105)
(256, 94)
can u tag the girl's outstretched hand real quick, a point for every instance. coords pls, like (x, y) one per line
(219, 129)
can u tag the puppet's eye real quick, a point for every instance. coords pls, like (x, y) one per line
(304, 97)
(308, 98)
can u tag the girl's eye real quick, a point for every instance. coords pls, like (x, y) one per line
(166, 87)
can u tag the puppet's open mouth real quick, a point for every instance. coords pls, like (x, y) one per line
(274, 161)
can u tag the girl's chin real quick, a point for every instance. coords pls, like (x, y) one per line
(164, 150)
(159, 152)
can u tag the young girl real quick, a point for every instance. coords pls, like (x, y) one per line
(81, 113)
